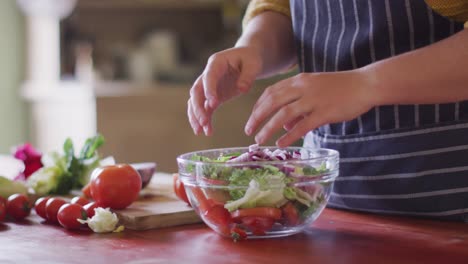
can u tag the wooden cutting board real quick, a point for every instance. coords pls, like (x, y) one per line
(157, 207)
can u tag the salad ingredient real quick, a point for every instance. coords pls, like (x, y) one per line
(64, 172)
(2, 208)
(87, 190)
(69, 214)
(204, 203)
(79, 200)
(52, 207)
(291, 214)
(9, 187)
(90, 209)
(254, 196)
(115, 186)
(218, 216)
(238, 234)
(258, 225)
(268, 212)
(18, 206)
(103, 221)
(179, 188)
(299, 195)
(40, 206)
(31, 159)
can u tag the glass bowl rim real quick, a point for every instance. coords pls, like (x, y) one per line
(332, 154)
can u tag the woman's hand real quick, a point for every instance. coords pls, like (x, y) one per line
(227, 74)
(307, 101)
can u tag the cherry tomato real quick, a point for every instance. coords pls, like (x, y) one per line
(40, 206)
(291, 215)
(238, 234)
(179, 188)
(115, 186)
(87, 190)
(90, 209)
(18, 206)
(2, 209)
(52, 207)
(258, 225)
(79, 200)
(69, 213)
(268, 212)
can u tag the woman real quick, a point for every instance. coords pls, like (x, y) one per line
(384, 82)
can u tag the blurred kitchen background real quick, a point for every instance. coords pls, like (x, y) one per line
(122, 68)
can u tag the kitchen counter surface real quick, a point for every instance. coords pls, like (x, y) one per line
(336, 237)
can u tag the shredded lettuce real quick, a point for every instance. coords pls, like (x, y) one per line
(255, 196)
(268, 177)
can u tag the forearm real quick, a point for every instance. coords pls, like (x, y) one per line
(434, 74)
(271, 34)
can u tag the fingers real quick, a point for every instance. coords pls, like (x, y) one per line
(285, 115)
(269, 102)
(208, 128)
(214, 71)
(288, 126)
(192, 119)
(300, 129)
(197, 100)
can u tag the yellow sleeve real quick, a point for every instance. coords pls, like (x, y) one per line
(453, 9)
(256, 7)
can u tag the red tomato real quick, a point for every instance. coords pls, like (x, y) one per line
(115, 186)
(179, 188)
(18, 206)
(52, 207)
(2, 209)
(291, 215)
(69, 213)
(87, 190)
(203, 203)
(40, 206)
(268, 212)
(218, 215)
(90, 209)
(79, 200)
(258, 225)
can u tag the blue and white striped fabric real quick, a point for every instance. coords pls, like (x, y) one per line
(395, 159)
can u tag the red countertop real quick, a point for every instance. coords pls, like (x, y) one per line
(336, 237)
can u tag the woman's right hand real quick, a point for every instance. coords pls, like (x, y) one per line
(227, 74)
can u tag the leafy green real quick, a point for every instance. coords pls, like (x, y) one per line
(305, 214)
(65, 171)
(311, 171)
(9, 187)
(255, 196)
(214, 171)
(268, 177)
(296, 194)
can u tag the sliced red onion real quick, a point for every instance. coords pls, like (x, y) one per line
(241, 158)
(253, 147)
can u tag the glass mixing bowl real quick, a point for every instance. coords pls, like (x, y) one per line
(259, 192)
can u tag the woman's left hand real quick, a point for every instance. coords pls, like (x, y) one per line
(307, 101)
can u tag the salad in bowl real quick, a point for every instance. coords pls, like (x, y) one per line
(258, 192)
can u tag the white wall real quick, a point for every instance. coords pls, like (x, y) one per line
(13, 111)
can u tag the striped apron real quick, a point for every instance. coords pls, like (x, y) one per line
(395, 159)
